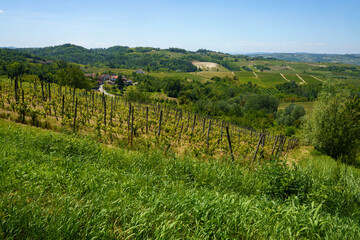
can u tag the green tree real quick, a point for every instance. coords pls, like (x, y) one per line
(132, 93)
(265, 103)
(73, 76)
(334, 125)
(172, 87)
(119, 81)
(292, 113)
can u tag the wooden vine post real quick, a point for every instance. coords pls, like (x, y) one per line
(63, 105)
(16, 87)
(147, 120)
(159, 130)
(193, 126)
(104, 100)
(276, 140)
(257, 147)
(208, 135)
(181, 129)
(221, 133)
(129, 118)
(132, 126)
(75, 113)
(230, 147)
(49, 86)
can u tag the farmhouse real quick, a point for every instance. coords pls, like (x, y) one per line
(140, 71)
(113, 78)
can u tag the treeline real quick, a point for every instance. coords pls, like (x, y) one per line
(25, 67)
(150, 59)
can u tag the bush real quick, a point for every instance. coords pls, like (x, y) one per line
(292, 113)
(281, 181)
(334, 125)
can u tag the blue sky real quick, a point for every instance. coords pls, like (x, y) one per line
(229, 26)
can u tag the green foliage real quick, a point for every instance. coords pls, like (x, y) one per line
(280, 181)
(291, 115)
(74, 77)
(172, 87)
(334, 125)
(132, 93)
(309, 91)
(266, 103)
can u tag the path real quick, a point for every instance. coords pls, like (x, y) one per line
(255, 75)
(102, 90)
(303, 81)
(284, 77)
(318, 79)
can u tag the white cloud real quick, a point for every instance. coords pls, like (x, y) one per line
(1, 11)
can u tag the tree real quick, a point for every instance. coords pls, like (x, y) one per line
(172, 87)
(73, 76)
(119, 81)
(265, 103)
(292, 113)
(132, 93)
(334, 125)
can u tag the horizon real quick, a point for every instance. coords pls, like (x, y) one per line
(236, 27)
(231, 53)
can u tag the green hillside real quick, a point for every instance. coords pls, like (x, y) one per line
(58, 186)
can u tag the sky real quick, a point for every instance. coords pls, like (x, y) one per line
(231, 26)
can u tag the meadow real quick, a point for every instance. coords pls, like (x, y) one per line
(66, 186)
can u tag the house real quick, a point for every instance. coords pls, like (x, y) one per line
(113, 78)
(129, 83)
(104, 77)
(140, 71)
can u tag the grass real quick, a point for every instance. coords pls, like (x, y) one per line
(59, 186)
(307, 105)
(270, 79)
(309, 79)
(245, 77)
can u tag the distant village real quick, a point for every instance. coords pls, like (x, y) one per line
(111, 79)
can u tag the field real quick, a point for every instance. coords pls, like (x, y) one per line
(309, 80)
(245, 77)
(60, 186)
(270, 79)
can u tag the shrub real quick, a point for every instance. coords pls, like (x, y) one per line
(334, 125)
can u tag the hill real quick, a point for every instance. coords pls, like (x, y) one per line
(148, 58)
(57, 186)
(313, 57)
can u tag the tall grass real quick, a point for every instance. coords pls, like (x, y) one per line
(57, 186)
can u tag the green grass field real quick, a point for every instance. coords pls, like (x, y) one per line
(270, 79)
(60, 186)
(245, 77)
(309, 79)
(292, 77)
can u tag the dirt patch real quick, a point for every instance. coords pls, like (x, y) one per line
(206, 65)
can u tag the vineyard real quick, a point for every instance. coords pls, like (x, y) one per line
(112, 120)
